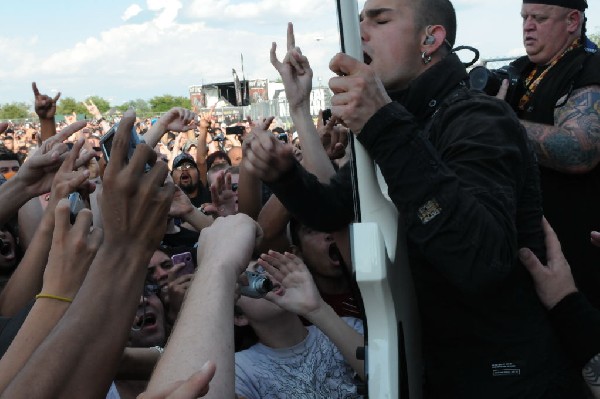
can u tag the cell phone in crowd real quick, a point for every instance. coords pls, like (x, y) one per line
(76, 204)
(185, 257)
(238, 130)
(107, 140)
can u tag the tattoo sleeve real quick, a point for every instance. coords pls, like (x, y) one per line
(572, 145)
(591, 371)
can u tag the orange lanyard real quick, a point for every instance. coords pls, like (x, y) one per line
(532, 84)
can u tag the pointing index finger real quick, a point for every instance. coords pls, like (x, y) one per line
(291, 41)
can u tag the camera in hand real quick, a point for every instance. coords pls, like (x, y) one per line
(258, 285)
(283, 137)
(490, 80)
(219, 137)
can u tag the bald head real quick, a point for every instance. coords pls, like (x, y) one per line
(235, 154)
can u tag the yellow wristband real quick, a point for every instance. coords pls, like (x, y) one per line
(58, 298)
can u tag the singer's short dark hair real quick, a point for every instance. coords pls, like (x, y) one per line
(436, 12)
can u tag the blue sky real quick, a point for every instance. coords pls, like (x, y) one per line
(123, 50)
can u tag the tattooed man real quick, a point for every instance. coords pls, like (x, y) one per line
(557, 99)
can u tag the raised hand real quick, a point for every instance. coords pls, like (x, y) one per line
(265, 156)
(358, 92)
(295, 71)
(72, 252)
(37, 174)
(181, 204)
(70, 119)
(334, 136)
(239, 228)
(92, 109)
(224, 199)
(69, 179)
(298, 293)
(134, 203)
(206, 118)
(45, 106)
(178, 119)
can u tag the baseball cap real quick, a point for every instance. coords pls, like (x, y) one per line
(580, 5)
(184, 157)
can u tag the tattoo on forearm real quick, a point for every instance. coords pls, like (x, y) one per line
(574, 140)
(591, 371)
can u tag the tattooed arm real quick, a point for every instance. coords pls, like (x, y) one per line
(572, 145)
(591, 375)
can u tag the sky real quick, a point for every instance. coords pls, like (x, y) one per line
(123, 50)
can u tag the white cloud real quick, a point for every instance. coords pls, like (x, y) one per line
(168, 10)
(131, 12)
(258, 11)
(188, 42)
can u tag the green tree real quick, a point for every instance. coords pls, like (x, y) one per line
(68, 105)
(140, 106)
(166, 102)
(102, 104)
(595, 37)
(14, 111)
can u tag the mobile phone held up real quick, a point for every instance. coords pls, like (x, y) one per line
(76, 204)
(185, 257)
(107, 140)
(237, 130)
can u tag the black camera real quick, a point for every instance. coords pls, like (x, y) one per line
(490, 80)
(283, 137)
(237, 130)
(258, 286)
(219, 137)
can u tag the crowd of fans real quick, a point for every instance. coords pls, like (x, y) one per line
(148, 257)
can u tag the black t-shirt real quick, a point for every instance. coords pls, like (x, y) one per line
(202, 197)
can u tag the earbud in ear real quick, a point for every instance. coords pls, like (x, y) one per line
(430, 39)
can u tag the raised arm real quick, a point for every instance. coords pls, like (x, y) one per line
(176, 119)
(36, 175)
(26, 280)
(250, 186)
(297, 74)
(134, 208)
(45, 108)
(204, 329)
(202, 147)
(95, 112)
(73, 249)
(182, 207)
(302, 297)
